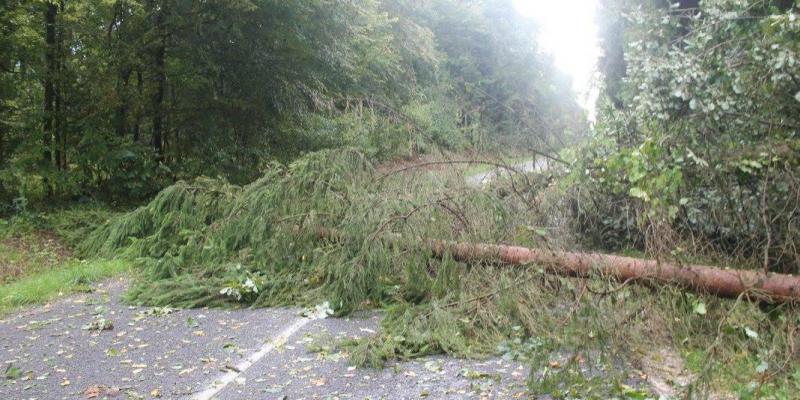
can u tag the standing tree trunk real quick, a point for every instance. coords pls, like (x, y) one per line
(61, 105)
(2, 137)
(58, 117)
(121, 117)
(159, 55)
(158, 101)
(138, 113)
(49, 81)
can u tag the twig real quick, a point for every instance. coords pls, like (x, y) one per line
(486, 295)
(403, 217)
(765, 218)
(616, 289)
(575, 304)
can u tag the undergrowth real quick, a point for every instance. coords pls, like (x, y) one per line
(36, 254)
(327, 228)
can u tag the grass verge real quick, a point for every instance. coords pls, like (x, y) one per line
(36, 260)
(72, 277)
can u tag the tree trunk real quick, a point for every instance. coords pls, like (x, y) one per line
(60, 119)
(121, 115)
(722, 282)
(2, 138)
(49, 81)
(756, 285)
(159, 55)
(138, 119)
(58, 136)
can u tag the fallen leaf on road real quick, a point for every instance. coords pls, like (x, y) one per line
(318, 382)
(94, 391)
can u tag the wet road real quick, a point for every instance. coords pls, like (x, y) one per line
(50, 352)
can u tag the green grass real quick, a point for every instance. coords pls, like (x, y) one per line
(73, 276)
(36, 258)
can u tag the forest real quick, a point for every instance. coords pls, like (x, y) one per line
(114, 100)
(426, 163)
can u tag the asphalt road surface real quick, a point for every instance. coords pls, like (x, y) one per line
(93, 346)
(482, 178)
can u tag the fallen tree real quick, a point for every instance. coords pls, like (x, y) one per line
(756, 285)
(208, 243)
(771, 287)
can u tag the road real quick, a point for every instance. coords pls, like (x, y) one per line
(486, 177)
(204, 354)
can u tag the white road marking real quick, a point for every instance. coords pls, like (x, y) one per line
(223, 381)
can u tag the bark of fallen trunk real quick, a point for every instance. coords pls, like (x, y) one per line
(722, 282)
(756, 285)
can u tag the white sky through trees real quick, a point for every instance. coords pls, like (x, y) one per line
(568, 31)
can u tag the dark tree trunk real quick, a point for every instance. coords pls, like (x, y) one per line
(49, 81)
(2, 139)
(59, 139)
(138, 119)
(121, 117)
(158, 101)
(60, 117)
(159, 54)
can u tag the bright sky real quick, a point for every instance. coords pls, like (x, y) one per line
(568, 31)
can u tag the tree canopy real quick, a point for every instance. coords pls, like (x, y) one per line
(116, 98)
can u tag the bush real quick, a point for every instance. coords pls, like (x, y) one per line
(702, 157)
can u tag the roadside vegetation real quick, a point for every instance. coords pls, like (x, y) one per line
(68, 277)
(37, 261)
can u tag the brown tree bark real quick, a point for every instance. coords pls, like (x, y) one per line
(722, 282)
(756, 285)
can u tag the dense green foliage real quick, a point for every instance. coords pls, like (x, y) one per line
(212, 243)
(118, 98)
(697, 153)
